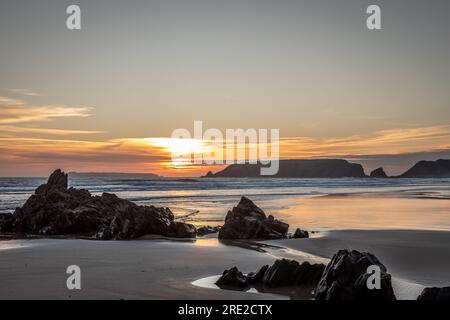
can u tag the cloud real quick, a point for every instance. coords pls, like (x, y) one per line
(25, 92)
(6, 102)
(20, 114)
(17, 111)
(395, 148)
(14, 111)
(394, 141)
(57, 132)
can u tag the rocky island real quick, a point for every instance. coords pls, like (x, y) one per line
(317, 168)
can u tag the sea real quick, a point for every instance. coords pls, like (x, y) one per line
(206, 201)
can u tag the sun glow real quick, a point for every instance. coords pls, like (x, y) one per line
(181, 150)
(178, 146)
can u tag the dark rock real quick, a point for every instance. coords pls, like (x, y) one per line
(282, 273)
(289, 272)
(429, 169)
(56, 210)
(300, 234)
(257, 277)
(209, 175)
(232, 278)
(436, 294)
(204, 230)
(378, 173)
(183, 230)
(6, 222)
(247, 221)
(345, 278)
(57, 181)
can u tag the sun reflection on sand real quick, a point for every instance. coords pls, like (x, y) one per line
(8, 245)
(369, 212)
(207, 242)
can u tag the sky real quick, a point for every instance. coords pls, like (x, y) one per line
(106, 97)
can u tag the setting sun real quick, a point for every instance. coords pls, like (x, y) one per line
(181, 150)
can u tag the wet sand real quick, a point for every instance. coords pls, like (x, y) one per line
(367, 212)
(142, 269)
(165, 269)
(417, 256)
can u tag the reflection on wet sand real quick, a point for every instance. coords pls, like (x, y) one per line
(303, 292)
(368, 212)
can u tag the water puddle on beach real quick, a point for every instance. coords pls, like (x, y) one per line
(9, 245)
(294, 293)
(272, 249)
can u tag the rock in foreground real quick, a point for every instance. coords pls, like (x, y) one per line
(436, 294)
(283, 273)
(300, 234)
(345, 278)
(233, 278)
(204, 230)
(55, 209)
(247, 221)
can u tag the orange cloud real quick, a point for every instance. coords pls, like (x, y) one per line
(154, 154)
(395, 141)
(57, 132)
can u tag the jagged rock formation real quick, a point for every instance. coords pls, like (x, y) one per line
(55, 209)
(204, 230)
(282, 273)
(209, 175)
(300, 234)
(318, 168)
(247, 221)
(429, 169)
(436, 294)
(233, 278)
(378, 173)
(345, 278)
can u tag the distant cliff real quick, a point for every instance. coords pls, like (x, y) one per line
(317, 168)
(378, 173)
(113, 175)
(429, 169)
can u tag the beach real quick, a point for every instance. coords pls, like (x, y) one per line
(408, 229)
(143, 269)
(166, 269)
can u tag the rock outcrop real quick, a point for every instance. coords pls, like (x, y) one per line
(247, 221)
(345, 278)
(204, 230)
(289, 272)
(55, 209)
(317, 168)
(283, 273)
(209, 175)
(233, 278)
(300, 234)
(6, 222)
(378, 173)
(429, 169)
(435, 294)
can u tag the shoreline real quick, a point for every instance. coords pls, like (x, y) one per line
(158, 267)
(417, 256)
(121, 269)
